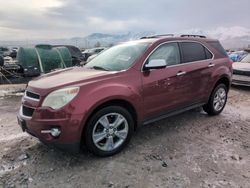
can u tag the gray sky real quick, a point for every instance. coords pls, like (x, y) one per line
(47, 19)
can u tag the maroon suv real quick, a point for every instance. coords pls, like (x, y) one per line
(134, 83)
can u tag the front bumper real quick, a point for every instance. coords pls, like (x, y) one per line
(241, 80)
(46, 119)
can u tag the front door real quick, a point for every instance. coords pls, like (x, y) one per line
(162, 89)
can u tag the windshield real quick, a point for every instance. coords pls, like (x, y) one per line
(119, 57)
(246, 59)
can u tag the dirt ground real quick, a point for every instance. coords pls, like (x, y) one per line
(187, 150)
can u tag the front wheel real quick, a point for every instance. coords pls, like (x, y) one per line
(109, 131)
(217, 100)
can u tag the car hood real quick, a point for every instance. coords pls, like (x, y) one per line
(67, 77)
(241, 66)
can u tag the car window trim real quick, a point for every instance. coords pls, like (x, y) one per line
(178, 42)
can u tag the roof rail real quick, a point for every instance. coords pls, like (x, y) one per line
(157, 36)
(198, 36)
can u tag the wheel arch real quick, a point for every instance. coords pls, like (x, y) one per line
(208, 106)
(113, 102)
(223, 80)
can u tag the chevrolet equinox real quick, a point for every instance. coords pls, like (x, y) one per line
(138, 82)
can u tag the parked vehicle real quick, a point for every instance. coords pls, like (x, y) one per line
(4, 51)
(237, 56)
(75, 52)
(89, 52)
(131, 84)
(246, 59)
(93, 56)
(43, 59)
(241, 72)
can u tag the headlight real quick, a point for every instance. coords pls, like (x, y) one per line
(61, 97)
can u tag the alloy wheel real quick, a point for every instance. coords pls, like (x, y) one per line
(219, 99)
(110, 131)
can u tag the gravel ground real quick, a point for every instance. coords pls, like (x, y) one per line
(187, 150)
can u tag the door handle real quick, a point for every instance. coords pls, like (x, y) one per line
(180, 73)
(211, 65)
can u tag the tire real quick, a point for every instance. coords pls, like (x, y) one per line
(213, 107)
(108, 131)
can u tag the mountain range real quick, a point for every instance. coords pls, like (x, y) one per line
(230, 37)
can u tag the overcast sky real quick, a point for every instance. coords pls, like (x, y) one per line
(47, 19)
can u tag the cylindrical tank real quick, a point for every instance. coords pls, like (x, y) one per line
(43, 59)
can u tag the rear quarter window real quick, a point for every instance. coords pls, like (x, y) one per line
(218, 47)
(192, 51)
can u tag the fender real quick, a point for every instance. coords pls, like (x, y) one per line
(97, 96)
(220, 72)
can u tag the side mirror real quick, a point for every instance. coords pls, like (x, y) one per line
(155, 64)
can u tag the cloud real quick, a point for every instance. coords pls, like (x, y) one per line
(68, 18)
(25, 19)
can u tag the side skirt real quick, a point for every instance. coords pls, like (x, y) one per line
(172, 113)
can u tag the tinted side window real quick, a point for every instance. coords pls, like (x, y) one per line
(169, 52)
(217, 46)
(192, 51)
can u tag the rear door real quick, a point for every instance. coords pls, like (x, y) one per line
(198, 67)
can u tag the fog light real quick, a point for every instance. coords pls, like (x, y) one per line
(55, 132)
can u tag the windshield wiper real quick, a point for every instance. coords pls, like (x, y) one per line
(99, 68)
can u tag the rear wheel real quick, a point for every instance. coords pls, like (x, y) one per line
(217, 100)
(109, 131)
